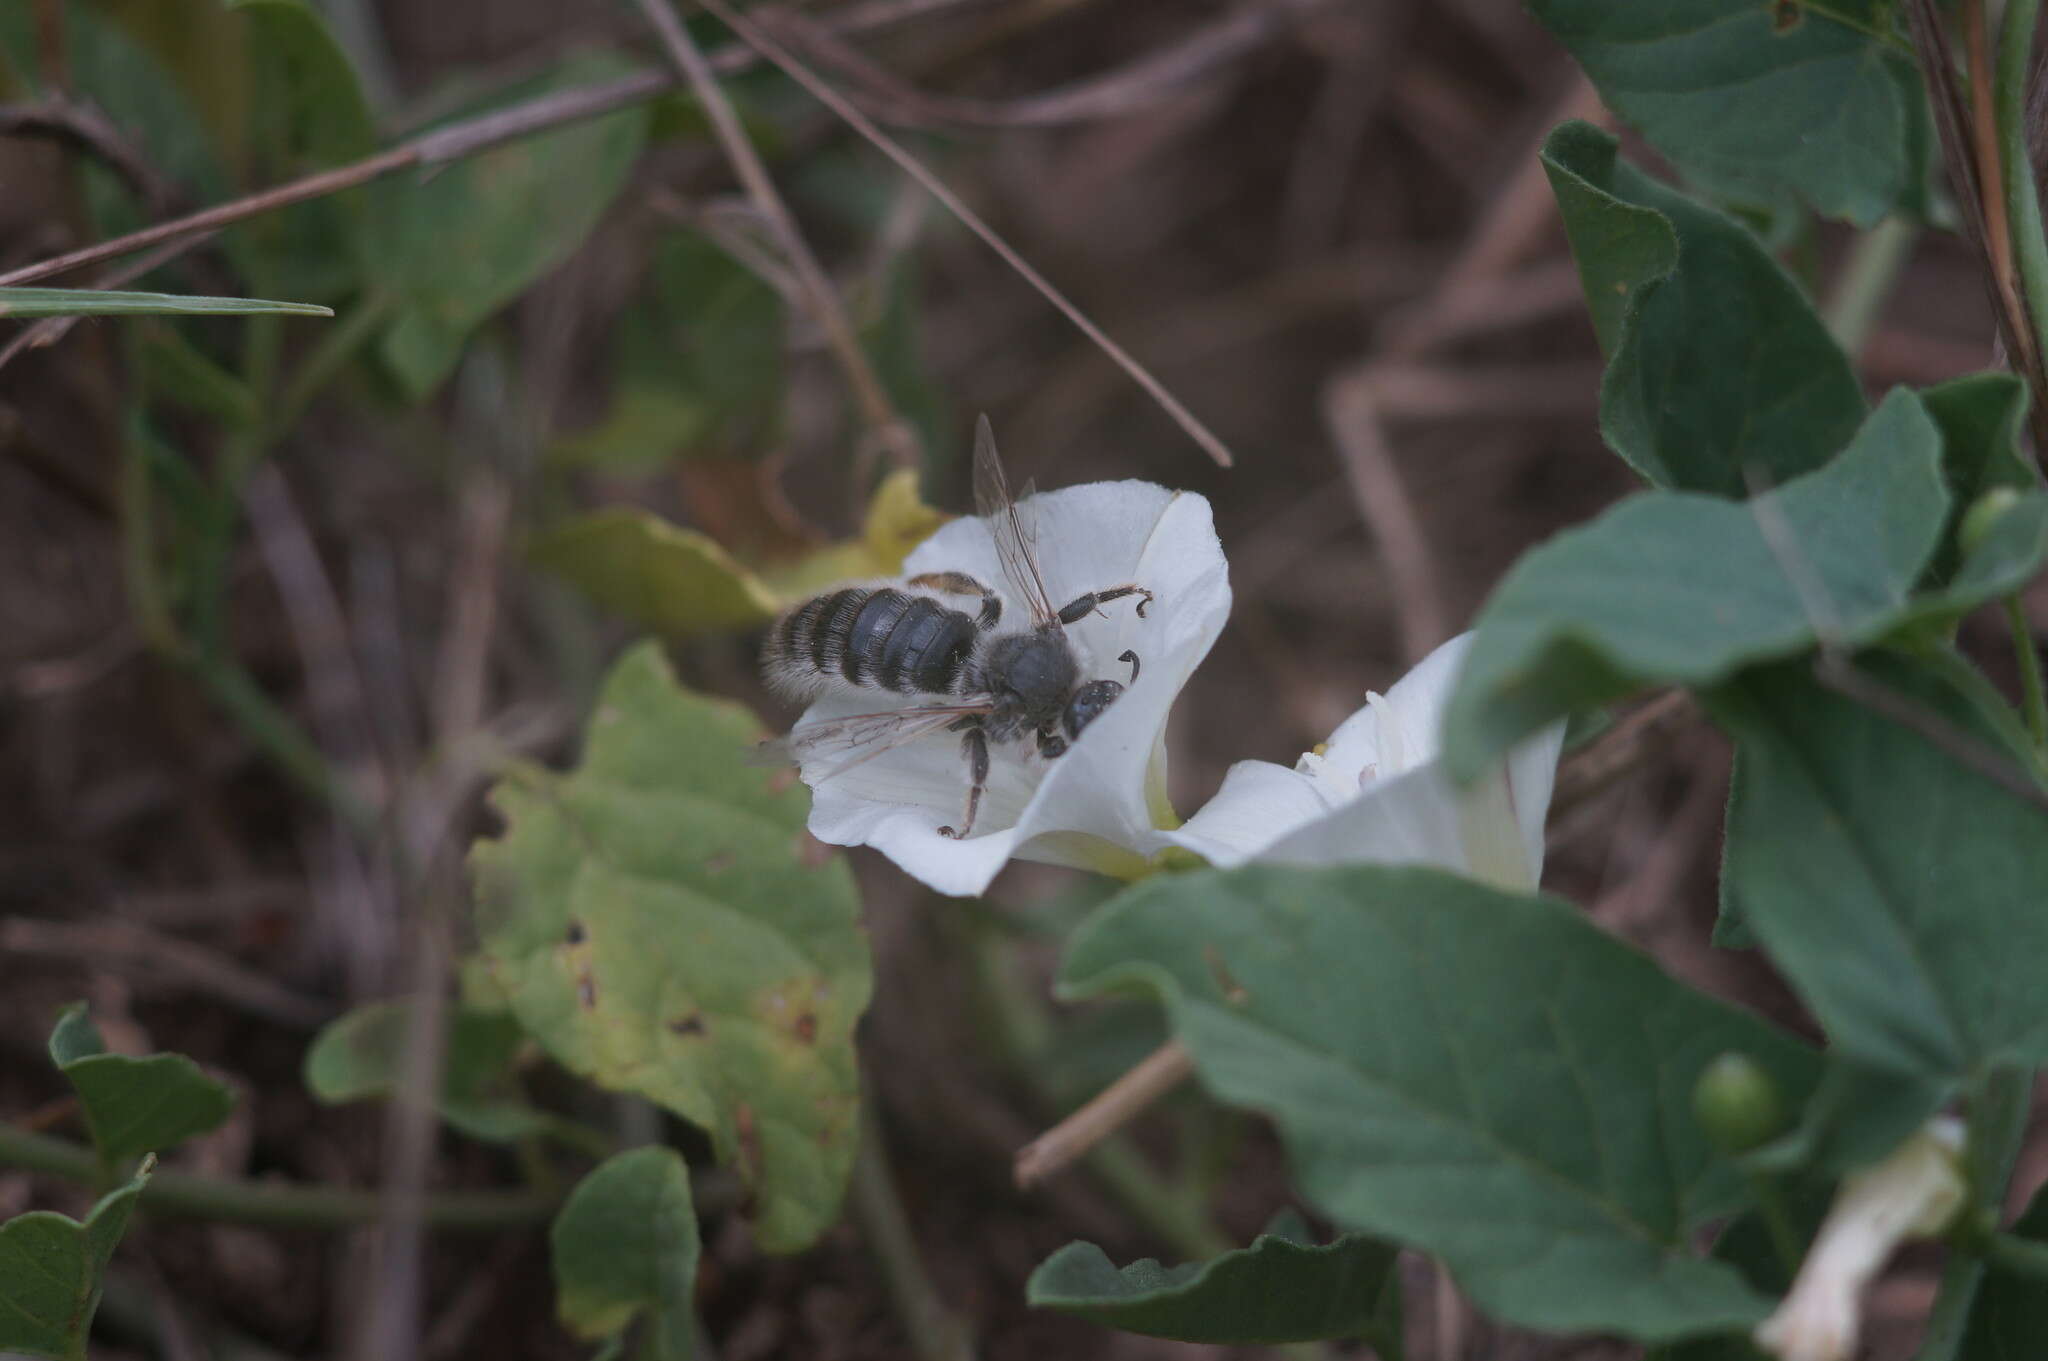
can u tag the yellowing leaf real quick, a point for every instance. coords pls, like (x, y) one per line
(898, 521)
(679, 582)
(662, 924)
(670, 580)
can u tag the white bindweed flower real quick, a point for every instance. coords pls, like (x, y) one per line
(1097, 806)
(1376, 791)
(1913, 1193)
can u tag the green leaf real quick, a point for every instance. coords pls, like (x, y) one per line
(1680, 587)
(2007, 559)
(1982, 417)
(306, 112)
(359, 1057)
(896, 342)
(662, 924)
(52, 1269)
(1896, 890)
(1761, 100)
(138, 95)
(178, 372)
(625, 1244)
(458, 246)
(1747, 1244)
(1283, 1288)
(1621, 247)
(647, 427)
(1483, 1076)
(708, 330)
(134, 1106)
(671, 581)
(23, 303)
(1857, 1116)
(2009, 1317)
(1718, 367)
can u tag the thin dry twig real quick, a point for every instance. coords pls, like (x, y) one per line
(84, 126)
(1984, 145)
(1514, 218)
(911, 166)
(1111, 1109)
(884, 427)
(1974, 185)
(138, 953)
(450, 143)
(1594, 768)
(1142, 84)
(1350, 411)
(1673, 852)
(50, 330)
(1356, 401)
(1446, 391)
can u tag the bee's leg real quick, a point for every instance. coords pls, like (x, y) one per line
(1129, 656)
(959, 583)
(1080, 605)
(974, 746)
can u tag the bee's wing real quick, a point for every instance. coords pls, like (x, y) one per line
(849, 741)
(1015, 540)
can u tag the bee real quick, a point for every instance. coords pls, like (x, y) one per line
(1004, 685)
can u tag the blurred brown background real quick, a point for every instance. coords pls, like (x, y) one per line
(1321, 225)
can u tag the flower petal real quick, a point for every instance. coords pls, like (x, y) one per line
(1912, 1193)
(1258, 804)
(1415, 818)
(1404, 729)
(1090, 806)
(1531, 780)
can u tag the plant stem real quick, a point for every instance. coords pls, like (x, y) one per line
(323, 362)
(2022, 199)
(2035, 699)
(276, 1204)
(1023, 1030)
(280, 739)
(1108, 1111)
(1866, 281)
(1770, 1205)
(1999, 1103)
(762, 42)
(877, 413)
(936, 1332)
(2021, 1256)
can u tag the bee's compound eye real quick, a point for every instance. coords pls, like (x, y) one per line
(1088, 703)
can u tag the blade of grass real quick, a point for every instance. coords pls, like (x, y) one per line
(23, 303)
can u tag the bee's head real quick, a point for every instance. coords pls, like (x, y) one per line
(1087, 703)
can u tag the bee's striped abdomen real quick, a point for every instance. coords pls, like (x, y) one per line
(806, 644)
(925, 650)
(885, 638)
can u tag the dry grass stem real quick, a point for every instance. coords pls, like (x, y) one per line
(1111, 1109)
(885, 429)
(937, 188)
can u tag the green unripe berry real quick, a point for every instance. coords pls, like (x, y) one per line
(1984, 513)
(1737, 1104)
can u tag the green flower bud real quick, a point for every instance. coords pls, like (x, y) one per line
(1983, 513)
(1737, 1104)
